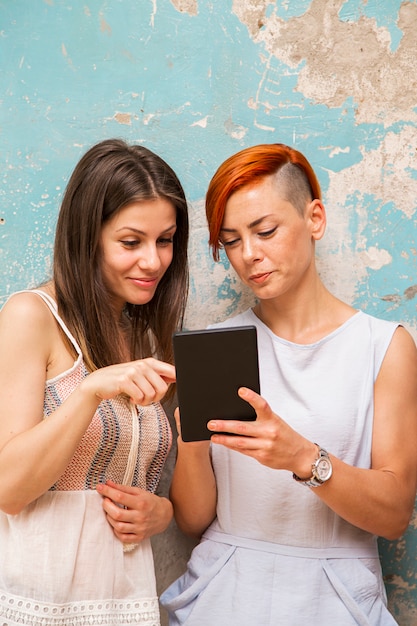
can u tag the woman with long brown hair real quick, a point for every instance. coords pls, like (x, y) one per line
(85, 361)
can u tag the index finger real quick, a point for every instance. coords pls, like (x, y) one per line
(129, 489)
(117, 496)
(109, 491)
(232, 427)
(165, 370)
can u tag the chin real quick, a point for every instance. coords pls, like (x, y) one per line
(140, 301)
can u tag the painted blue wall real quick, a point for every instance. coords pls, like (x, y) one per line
(196, 81)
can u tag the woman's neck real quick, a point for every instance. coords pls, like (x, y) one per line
(304, 320)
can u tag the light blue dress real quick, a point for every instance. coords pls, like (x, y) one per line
(276, 555)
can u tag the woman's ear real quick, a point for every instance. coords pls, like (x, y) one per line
(317, 216)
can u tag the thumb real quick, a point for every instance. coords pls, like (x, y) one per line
(177, 420)
(259, 404)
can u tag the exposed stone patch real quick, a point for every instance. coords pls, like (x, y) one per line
(343, 59)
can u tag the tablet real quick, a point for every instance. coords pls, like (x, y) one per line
(211, 365)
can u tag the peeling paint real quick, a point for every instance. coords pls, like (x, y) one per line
(338, 150)
(202, 123)
(186, 6)
(235, 130)
(386, 174)
(375, 258)
(147, 118)
(123, 118)
(337, 60)
(411, 292)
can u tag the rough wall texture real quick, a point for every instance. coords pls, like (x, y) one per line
(196, 81)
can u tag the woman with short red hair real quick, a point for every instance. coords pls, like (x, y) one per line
(289, 506)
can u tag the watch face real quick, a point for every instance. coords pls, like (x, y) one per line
(323, 469)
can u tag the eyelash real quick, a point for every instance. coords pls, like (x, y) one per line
(264, 235)
(268, 233)
(164, 241)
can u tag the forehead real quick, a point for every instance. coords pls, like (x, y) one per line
(252, 201)
(155, 211)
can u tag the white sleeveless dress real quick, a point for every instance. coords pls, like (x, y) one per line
(60, 563)
(276, 555)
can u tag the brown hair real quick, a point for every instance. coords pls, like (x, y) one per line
(250, 166)
(108, 177)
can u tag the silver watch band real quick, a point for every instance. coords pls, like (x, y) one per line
(315, 480)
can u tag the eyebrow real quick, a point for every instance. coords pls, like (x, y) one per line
(141, 232)
(251, 225)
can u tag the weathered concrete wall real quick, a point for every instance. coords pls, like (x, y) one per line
(196, 81)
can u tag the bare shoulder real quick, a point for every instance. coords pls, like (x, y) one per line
(402, 345)
(400, 362)
(25, 307)
(26, 320)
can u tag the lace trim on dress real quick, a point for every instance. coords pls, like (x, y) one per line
(17, 610)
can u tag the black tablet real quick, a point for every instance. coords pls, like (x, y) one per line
(211, 365)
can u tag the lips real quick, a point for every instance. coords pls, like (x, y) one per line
(259, 278)
(145, 282)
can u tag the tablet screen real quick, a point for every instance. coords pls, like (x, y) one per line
(211, 365)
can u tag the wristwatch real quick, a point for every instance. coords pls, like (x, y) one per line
(321, 470)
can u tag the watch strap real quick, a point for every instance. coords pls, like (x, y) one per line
(315, 480)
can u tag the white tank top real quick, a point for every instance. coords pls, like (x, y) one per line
(324, 391)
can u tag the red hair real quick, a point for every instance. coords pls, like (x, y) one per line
(248, 167)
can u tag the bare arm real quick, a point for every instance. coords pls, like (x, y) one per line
(379, 500)
(193, 489)
(34, 451)
(386, 494)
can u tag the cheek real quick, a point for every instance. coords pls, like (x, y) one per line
(113, 263)
(230, 256)
(235, 260)
(166, 257)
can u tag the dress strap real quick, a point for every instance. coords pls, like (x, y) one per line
(351, 552)
(51, 304)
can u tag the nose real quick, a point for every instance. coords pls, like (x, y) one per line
(149, 259)
(250, 250)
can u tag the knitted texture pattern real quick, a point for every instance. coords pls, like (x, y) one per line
(103, 452)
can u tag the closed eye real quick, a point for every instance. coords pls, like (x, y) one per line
(130, 243)
(228, 243)
(263, 234)
(133, 243)
(267, 233)
(165, 241)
